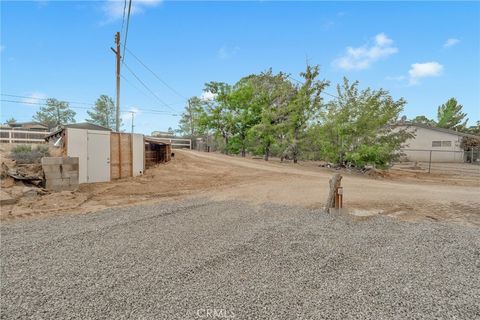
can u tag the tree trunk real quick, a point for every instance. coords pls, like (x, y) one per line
(226, 144)
(243, 146)
(295, 146)
(334, 184)
(267, 152)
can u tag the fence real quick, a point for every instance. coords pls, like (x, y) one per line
(441, 161)
(176, 142)
(22, 136)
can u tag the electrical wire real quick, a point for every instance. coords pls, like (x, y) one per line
(146, 87)
(151, 111)
(123, 19)
(126, 30)
(156, 75)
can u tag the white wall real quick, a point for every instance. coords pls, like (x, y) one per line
(422, 142)
(77, 147)
(138, 147)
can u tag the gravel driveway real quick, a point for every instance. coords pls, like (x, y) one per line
(199, 259)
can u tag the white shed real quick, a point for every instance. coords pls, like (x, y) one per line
(103, 155)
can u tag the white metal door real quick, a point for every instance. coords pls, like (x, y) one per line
(98, 161)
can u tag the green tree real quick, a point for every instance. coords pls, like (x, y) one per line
(359, 127)
(55, 113)
(424, 120)
(474, 129)
(303, 107)
(103, 113)
(11, 121)
(190, 124)
(218, 116)
(450, 116)
(272, 93)
(245, 110)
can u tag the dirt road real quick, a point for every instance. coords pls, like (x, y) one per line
(220, 177)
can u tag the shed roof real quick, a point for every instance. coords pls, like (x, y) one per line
(156, 140)
(81, 125)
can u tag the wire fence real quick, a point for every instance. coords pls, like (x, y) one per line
(442, 161)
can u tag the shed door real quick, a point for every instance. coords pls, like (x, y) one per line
(98, 161)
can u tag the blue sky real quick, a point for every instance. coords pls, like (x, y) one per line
(425, 52)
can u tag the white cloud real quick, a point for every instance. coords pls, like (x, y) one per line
(208, 96)
(451, 42)
(114, 8)
(362, 57)
(226, 53)
(34, 98)
(423, 70)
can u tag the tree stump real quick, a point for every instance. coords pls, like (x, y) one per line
(334, 184)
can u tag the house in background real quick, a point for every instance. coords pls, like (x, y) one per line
(444, 145)
(30, 126)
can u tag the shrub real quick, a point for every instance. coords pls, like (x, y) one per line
(27, 154)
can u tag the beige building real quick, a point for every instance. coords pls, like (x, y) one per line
(443, 145)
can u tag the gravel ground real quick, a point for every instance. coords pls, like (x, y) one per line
(199, 259)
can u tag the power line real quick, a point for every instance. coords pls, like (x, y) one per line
(146, 87)
(70, 102)
(124, 8)
(126, 30)
(151, 111)
(156, 75)
(44, 99)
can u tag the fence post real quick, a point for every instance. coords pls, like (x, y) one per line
(430, 162)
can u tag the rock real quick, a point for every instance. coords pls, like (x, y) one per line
(29, 192)
(5, 198)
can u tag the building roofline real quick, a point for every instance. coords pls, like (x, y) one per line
(426, 126)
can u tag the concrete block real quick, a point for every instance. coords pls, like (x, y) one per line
(52, 160)
(70, 167)
(71, 160)
(54, 183)
(69, 174)
(74, 182)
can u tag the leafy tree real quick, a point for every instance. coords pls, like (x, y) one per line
(424, 120)
(190, 124)
(474, 129)
(55, 113)
(303, 107)
(450, 116)
(103, 113)
(245, 110)
(358, 127)
(218, 116)
(272, 93)
(11, 121)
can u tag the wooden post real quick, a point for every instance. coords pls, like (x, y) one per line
(332, 195)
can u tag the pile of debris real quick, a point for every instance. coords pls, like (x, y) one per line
(366, 170)
(20, 180)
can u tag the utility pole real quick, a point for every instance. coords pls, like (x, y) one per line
(118, 57)
(133, 116)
